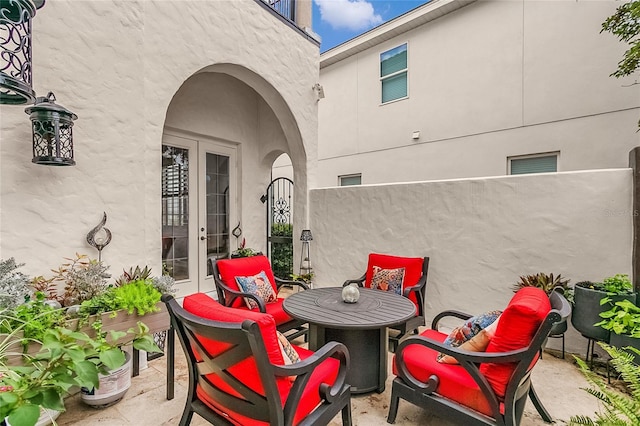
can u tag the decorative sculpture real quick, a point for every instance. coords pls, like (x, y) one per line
(99, 237)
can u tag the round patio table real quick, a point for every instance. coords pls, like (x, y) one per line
(360, 326)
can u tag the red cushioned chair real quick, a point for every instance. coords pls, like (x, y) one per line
(486, 388)
(413, 286)
(237, 372)
(230, 294)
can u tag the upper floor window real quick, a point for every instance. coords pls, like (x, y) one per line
(539, 163)
(393, 73)
(348, 180)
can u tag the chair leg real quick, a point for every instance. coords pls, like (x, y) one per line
(562, 345)
(393, 407)
(539, 407)
(185, 420)
(346, 415)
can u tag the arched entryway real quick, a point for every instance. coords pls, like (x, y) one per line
(222, 129)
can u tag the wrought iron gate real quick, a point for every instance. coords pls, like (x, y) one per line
(279, 202)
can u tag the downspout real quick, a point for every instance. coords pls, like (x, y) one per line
(634, 163)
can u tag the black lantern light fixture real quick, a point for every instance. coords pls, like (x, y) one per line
(52, 132)
(305, 255)
(15, 50)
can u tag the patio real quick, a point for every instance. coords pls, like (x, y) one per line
(558, 383)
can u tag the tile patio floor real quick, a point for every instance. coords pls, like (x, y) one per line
(557, 382)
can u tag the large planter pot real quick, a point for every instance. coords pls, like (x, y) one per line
(622, 341)
(587, 309)
(113, 386)
(122, 321)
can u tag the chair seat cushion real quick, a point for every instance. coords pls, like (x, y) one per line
(326, 372)
(455, 383)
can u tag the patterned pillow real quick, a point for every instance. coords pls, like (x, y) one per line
(388, 279)
(467, 332)
(288, 353)
(260, 286)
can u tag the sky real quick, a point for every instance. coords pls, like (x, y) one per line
(337, 21)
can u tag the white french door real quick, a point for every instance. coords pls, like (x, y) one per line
(199, 203)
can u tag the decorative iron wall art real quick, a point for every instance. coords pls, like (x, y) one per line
(99, 237)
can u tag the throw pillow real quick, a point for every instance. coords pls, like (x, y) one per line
(474, 335)
(388, 279)
(260, 286)
(288, 353)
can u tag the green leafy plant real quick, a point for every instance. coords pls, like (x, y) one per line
(66, 359)
(614, 285)
(546, 282)
(14, 285)
(622, 318)
(282, 250)
(139, 296)
(83, 279)
(305, 278)
(620, 409)
(34, 318)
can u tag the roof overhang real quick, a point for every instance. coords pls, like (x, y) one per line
(403, 23)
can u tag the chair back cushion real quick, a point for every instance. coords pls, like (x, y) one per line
(244, 267)
(246, 371)
(518, 324)
(385, 271)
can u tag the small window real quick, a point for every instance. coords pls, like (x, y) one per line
(349, 180)
(393, 73)
(533, 164)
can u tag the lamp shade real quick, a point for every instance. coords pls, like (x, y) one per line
(306, 235)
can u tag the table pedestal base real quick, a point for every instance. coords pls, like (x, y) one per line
(367, 350)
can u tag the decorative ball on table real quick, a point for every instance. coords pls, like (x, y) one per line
(350, 293)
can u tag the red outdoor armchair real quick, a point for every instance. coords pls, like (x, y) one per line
(260, 292)
(404, 275)
(241, 374)
(483, 388)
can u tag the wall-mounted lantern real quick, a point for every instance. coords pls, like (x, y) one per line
(52, 132)
(15, 50)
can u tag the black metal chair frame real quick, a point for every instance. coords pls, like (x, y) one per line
(424, 395)
(226, 295)
(420, 292)
(246, 341)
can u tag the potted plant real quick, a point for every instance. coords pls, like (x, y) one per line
(588, 307)
(35, 383)
(623, 321)
(244, 251)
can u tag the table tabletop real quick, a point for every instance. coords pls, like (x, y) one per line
(325, 307)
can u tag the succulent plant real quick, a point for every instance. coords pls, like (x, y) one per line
(543, 281)
(133, 275)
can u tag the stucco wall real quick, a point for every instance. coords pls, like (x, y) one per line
(490, 80)
(118, 65)
(480, 234)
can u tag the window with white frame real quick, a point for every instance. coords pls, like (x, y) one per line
(349, 180)
(537, 163)
(393, 73)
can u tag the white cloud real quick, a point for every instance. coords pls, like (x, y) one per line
(354, 15)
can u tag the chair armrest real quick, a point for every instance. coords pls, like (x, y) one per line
(359, 281)
(303, 370)
(231, 295)
(281, 282)
(444, 314)
(415, 288)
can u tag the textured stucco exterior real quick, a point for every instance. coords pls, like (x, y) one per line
(480, 234)
(487, 81)
(132, 70)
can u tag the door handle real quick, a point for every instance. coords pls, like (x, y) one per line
(203, 238)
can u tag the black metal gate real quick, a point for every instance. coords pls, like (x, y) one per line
(279, 203)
